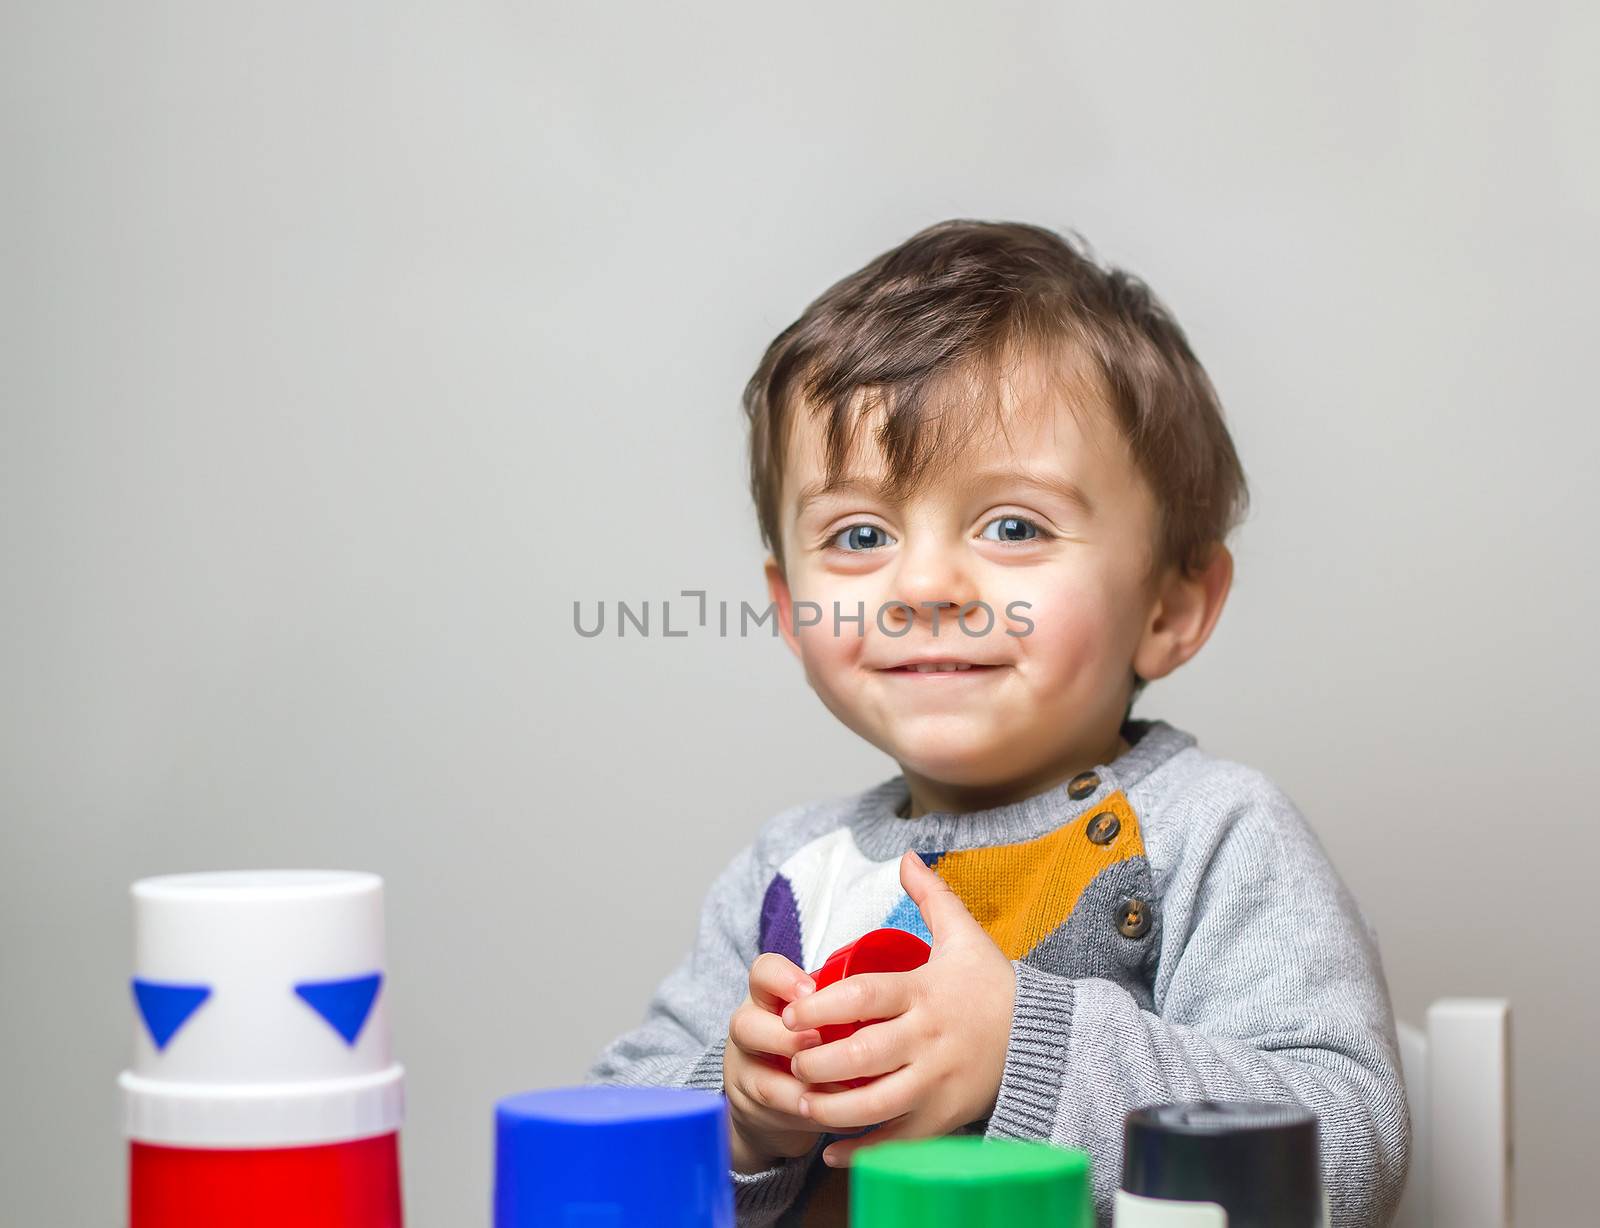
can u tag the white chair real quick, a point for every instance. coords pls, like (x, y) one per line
(1458, 1084)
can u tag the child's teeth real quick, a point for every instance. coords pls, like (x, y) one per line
(933, 667)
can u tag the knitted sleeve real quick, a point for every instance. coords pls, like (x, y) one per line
(1270, 987)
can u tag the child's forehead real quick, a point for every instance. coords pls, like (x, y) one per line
(1025, 421)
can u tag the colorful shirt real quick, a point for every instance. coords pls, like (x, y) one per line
(1177, 933)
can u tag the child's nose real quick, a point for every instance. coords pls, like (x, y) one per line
(931, 584)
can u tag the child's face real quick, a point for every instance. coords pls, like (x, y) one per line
(999, 526)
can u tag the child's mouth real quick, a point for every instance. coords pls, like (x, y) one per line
(924, 668)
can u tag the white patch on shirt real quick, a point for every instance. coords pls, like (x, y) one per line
(840, 893)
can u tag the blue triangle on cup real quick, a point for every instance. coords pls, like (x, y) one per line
(165, 1008)
(345, 1004)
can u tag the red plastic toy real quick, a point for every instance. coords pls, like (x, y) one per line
(882, 950)
(337, 1185)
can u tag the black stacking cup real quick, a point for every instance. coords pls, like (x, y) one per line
(1257, 1160)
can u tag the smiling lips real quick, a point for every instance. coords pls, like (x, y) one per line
(939, 667)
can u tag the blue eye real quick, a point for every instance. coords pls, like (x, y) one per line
(1010, 529)
(859, 537)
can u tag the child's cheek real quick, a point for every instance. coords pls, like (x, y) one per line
(829, 647)
(1073, 629)
(825, 615)
(825, 652)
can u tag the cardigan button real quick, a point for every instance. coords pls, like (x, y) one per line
(1133, 918)
(1103, 827)
(1083, 784)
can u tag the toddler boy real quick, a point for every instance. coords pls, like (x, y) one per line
(996, 485)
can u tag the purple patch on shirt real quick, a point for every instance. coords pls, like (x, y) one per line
(780, 919)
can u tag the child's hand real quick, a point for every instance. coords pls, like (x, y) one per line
(941, 1045)
(763, 1096)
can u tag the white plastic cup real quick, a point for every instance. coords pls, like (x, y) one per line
(274, 982)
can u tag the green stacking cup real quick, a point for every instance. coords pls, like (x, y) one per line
(967, 1182)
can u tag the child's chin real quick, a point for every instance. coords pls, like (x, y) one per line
(959, 761)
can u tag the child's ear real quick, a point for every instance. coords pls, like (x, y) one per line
(1185, 609)
(782, 601)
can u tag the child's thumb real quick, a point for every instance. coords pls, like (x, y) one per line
(942, 910)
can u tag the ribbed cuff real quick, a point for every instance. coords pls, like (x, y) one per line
(1030, 1087)
(706, 1073)
(758, 1198)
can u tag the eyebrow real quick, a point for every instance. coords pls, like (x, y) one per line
(813, 491)
(1050, 483)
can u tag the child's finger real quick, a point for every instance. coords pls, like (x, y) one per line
(839, 1154)
(941, 908)
(776, 980)
(856, 1107)
(760, 1031)
(869, 995)
(873, 1050)
(775, 1094)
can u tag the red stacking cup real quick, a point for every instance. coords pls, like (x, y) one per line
(335, 1185)
(882, 950)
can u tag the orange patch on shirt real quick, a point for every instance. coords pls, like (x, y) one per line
(1021, 893)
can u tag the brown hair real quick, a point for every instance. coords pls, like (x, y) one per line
(953, 299)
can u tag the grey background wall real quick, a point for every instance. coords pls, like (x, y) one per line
(344, 347)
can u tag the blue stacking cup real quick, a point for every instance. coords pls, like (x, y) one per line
(612, 1157)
